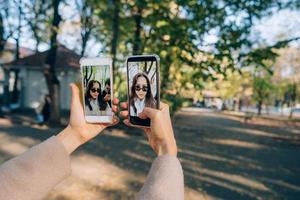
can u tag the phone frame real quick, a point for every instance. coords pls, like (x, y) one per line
(98, 62)
(136, 121)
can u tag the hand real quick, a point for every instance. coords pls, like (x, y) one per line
(79, 131)
(107, 97)
(160, 134)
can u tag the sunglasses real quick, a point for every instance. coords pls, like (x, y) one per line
(138, 88)
(95, 90)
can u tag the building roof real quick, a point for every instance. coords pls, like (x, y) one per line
(209, 94)
(24, 51)
(9, 52)
(65, 58)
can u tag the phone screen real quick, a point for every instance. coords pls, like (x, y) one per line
(97, 90)
(143, 87)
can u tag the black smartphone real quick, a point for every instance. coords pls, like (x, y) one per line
(143, 86)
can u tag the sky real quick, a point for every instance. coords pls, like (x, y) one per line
(282, 25)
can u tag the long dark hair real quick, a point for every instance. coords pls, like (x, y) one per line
(87, 96)
(149, 100)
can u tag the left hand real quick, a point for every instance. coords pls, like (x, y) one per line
(78, 130)
(160, 133)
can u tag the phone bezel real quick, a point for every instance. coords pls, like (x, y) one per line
(98, 61)
(136, 121)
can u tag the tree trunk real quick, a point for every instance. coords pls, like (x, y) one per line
(85, 34)
(2, 38)
(115, 34)
(137, 33)
(6, 94)
(83, 46)
(293, 99)
(17, 55)
(291, 112)
(281, 107)
(85, 37)
(165, 68)
(37, 40)
(259, 105)
(15, 93)
(49, 71)
(19, 32)
(88, 72)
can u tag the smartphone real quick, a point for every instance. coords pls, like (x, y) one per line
(143, 86)
(97, 87)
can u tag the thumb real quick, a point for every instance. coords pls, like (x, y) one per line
(149, 112)
(75, 99)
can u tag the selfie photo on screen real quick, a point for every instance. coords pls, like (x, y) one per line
(142, 86)
(97, 97)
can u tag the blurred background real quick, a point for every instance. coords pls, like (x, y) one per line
(230, 71)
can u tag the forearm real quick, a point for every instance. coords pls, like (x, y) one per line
(34, 173)
(69, 140)
(164, 181)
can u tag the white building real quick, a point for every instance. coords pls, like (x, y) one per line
(8, 55)
(31, 84)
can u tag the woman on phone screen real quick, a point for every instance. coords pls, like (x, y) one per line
(140, 94)
(94, 102)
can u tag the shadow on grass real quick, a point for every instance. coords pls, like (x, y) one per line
(221, 157)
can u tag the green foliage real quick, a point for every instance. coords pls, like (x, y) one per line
(174, 101)
(177, 31)
(261, 57)
(262, 88)
(290, 94)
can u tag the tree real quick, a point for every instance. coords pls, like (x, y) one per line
(177, 31)
(2, 31)
(137, 11)
(115, 32)
(88, 23)
(87, 75)
(36, 16)
(262, 88)
(15, 93)
(49, 69)
(108, 16)
(7, 29)
(290, 97)
(287, 76)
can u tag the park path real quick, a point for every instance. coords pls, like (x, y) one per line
(222, 158)
(228, 159)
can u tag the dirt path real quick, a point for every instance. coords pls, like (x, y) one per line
(221, 156)
(227, 159)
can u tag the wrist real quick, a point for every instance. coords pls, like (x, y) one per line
(167, 148)
(69, 139)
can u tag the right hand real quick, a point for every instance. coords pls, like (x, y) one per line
(78, 130)
(107, 97)
(160, 134)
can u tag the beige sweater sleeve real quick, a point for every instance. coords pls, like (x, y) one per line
(34, 173)
(164, 181)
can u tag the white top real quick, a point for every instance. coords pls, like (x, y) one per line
(139, 104)
(95, 104)
(95, 109)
